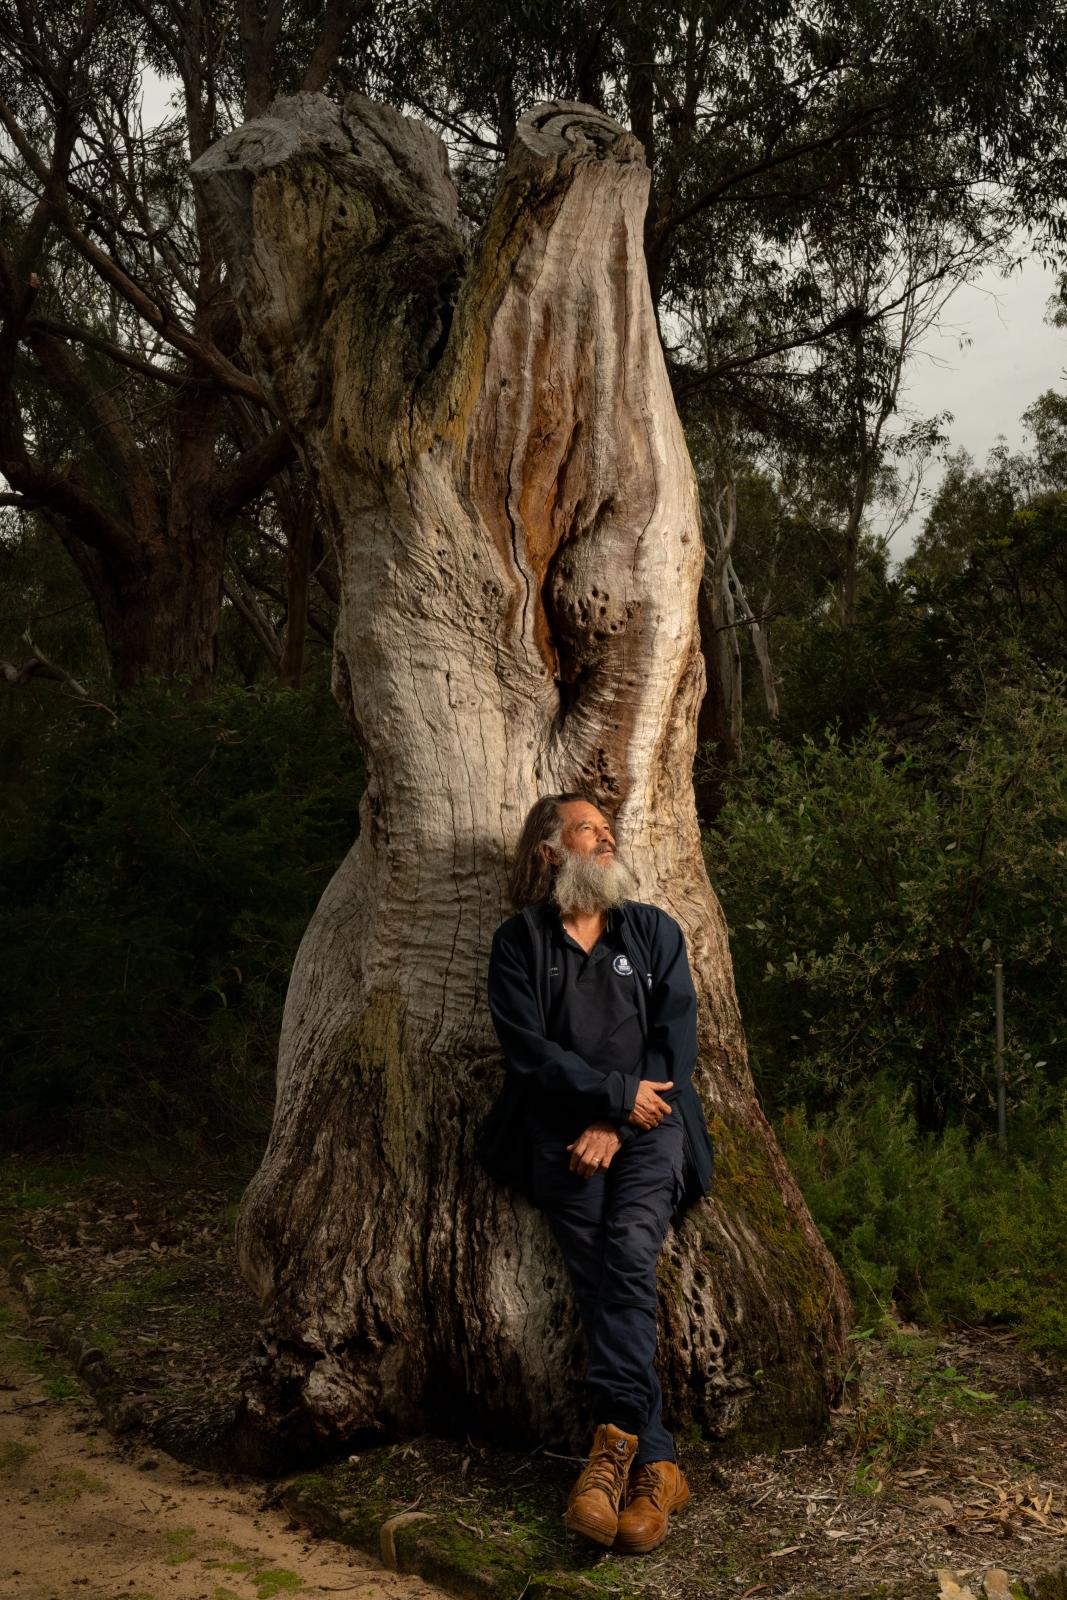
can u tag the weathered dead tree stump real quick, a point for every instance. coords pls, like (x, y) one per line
(493, 437)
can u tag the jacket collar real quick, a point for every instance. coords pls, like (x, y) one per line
(538, 919)
(543, 914)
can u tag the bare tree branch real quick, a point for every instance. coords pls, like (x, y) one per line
(115, 352)
(38, 665)
(339, 18)
(157, 315)
(252, 471)
(259, 43)
(240, 592)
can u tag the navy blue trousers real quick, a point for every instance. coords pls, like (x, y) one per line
(610, 1229)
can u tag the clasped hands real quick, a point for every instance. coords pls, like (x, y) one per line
(595, 1149)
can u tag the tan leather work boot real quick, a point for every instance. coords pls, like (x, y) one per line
(656, 1489)
(593, 1503)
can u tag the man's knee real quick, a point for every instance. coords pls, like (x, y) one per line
(640, 1230)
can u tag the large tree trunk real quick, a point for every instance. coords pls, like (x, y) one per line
(159, 613)
(518, 541)
(158, 593)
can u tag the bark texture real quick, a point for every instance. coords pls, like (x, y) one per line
(518, 544)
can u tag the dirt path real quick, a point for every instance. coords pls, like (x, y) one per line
(83, 1516)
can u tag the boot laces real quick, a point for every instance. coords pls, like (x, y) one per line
(648, 1484)
(604, 1471)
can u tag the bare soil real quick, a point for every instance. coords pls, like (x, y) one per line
(86, 1516)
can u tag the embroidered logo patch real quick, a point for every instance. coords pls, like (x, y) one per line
(622, 966)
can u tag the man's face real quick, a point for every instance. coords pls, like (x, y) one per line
(585, 831)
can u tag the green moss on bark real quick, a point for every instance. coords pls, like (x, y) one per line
(745, 1183)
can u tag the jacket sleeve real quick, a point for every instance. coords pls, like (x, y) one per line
(671, 1042)
(537, 1060)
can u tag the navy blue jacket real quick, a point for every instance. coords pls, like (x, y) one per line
(519, 1002)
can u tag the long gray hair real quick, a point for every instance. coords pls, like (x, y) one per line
(531, 872)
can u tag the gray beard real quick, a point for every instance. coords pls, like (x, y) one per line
(582, 887)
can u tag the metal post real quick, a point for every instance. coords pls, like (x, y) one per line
(1002, 1119)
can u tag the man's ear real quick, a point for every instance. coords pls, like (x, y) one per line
(548, 854)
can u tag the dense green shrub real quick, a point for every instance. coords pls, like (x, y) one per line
(870, 883)
(870, 886)
(155, 880)
(937, 1226)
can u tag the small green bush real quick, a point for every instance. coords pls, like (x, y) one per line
(936, 1225)
(154, 888)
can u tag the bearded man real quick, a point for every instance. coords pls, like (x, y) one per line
(599, 1123)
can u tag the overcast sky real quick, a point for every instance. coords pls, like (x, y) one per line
(1012, 357)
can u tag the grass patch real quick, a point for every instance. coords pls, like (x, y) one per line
(35, 1185)
(71, 1483)
(14, 1456)
(61, 1387)
(30, 1356)
(885, 1428)
(117, 1304)
(269, 1581)
(179, 1543)
(275, 1581)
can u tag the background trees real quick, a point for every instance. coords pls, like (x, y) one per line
(157, 874)
(130, 423)
(901, 831)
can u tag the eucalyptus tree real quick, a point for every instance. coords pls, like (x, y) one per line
(825, 477)
(128, 417)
